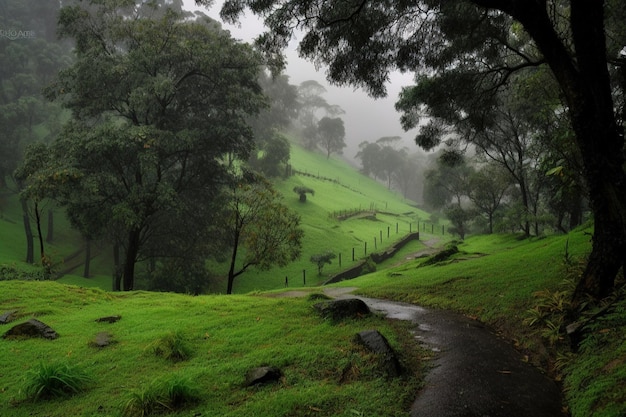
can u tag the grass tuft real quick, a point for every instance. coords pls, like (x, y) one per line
(161, 396)
(55, 380)
(173, 346)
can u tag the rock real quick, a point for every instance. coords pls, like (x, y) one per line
(376, 343)
(262, 375)
(108, 319)
(8, 316)
(31, 328)
(103, 339)
(342, 309)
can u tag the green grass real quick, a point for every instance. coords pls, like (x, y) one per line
(227, 336)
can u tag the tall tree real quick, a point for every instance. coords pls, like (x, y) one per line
(311, 107)
(273, 149)
(157, 105)
(331, 133)
(470, 48)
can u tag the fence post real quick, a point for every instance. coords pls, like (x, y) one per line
(442, 230)
(396, 228)
(381, 236)
(375, 245)
(432, 228)
(411, 227)
(304, 276)
(339, 259)
(352, 254)
(365, 248)
(387, 231)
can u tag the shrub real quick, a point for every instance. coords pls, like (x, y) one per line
(172, 346)
(54, 380)
(22, 273)
(321, 259)
(161, 396)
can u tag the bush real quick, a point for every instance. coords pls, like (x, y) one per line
(161, 396)
(26, 273)
(54, 380)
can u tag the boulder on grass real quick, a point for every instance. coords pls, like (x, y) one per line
(337, 310)
(262, 375)
(31, 328)
(377, 344)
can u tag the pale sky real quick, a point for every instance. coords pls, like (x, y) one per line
(365, 119)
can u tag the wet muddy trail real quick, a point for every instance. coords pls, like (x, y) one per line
(474, 374)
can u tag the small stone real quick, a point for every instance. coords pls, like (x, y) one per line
(376, 343)
(31, 328)
(263, 375)
(108, 319)
(8, 316)
(103, 339)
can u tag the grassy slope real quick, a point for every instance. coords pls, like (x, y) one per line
(498, 279)
(494, 279)
(325, 373)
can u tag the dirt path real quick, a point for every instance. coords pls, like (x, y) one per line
(431, 248)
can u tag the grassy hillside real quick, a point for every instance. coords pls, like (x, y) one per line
(499, 279)
(324, 372)
(506, 281)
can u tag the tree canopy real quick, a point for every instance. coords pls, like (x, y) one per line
(463, 53)
(158, 103)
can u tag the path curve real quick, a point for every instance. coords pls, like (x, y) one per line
(475, 373)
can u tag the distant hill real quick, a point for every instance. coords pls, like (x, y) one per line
(349, 212)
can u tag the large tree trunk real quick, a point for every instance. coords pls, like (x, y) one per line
(50, 234)
(585, 84)
(30, 250)
(132, 251)
(117, 268)
(42, 249)
(87, 258)
(602, 148)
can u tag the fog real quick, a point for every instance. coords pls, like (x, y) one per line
(366, 119)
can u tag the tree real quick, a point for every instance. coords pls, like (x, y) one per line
(302, 191)
(447, 183)
(311, 104)
(487, 189)
(257, 228)
(459, 218)
(331, 135)
(273, 148)
(35, 189)
(321, 259)
(382, 159)
(470, 48)
(368, 154)
(158, 103)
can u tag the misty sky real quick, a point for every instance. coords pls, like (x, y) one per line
(366, 119)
